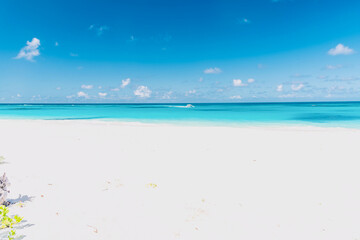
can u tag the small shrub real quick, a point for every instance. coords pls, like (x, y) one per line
(8, 222)
(152, 185)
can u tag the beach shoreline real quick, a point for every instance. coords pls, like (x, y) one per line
(92, 179)
(189, 124)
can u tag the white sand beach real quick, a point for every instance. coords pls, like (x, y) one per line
(111, 180)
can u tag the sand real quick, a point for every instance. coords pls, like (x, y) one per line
(112, 180)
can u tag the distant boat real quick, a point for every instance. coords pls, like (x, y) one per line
(187, 106)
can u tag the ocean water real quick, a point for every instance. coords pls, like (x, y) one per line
(330, 114)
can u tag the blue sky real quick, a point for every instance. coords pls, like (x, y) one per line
(179, 51)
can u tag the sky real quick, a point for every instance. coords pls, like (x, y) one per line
(146, 51)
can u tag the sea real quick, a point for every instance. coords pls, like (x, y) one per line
(325, 114)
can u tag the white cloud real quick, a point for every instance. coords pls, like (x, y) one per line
(18, 95)
(332, 67)
(279, 88)
(99, 29)
(212, 70)
(87, 86)
(58, 88)
(238, 83)
(167, 95)
(56, 44)
(251, 80)
(30, 50)
(349, 78)
(125, 82)
(187, 93)
(143, 92)
(289, 95)
(74, 54)
(244, 21)
(190, 92)
(299, 75)
(36, 97)
(340, 49)
(297, 87)
(132, 39)
(236, 97)
(102, 94)
(82, 94)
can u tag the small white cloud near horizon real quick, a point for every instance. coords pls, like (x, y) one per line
(102, 94)
(30, 51)
(340, 49)
(236, 97)
(58, 88)
(212, 70)
(125, 82)
(238, 83)
(82, 94)
(167, 95)
(84, 86)
(251, 80)
(143, 92)
(297, 87)
(190, 92)
(279, 88)
(289, 95)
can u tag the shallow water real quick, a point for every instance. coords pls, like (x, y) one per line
(332, 114)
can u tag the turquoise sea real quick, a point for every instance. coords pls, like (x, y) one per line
(333, 114)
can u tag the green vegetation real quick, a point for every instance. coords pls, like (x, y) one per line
(8, 222)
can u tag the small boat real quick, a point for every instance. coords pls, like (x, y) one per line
(187, 106)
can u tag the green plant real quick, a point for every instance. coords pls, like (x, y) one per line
(8, 222)
(2, 158)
